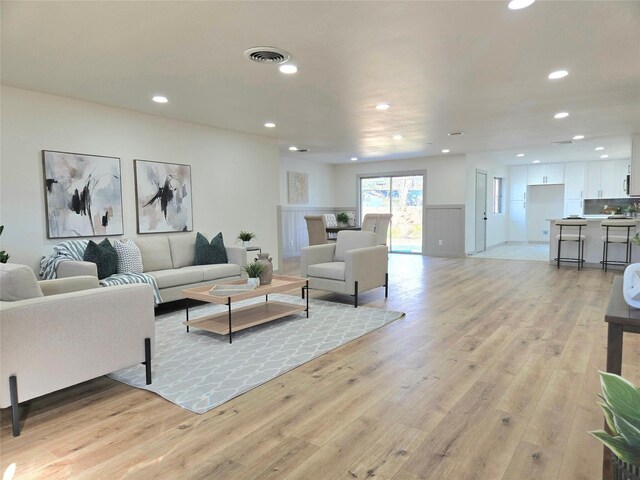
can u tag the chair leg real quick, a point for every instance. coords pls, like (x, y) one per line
(559, 248)
(604, 244)
(302, 288)
(606, 255)
(147, 359)
(355, 297)
(15, 409)
(386, 285)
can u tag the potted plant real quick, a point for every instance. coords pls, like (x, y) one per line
(254, 270)
(621, 406)
(3, 255)
(342, 218)
(246, 237)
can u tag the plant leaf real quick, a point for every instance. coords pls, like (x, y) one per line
(608, 416)
(629, 432)
(618, 446)
(622, 397)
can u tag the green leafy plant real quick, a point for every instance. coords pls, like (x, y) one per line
(246, 236)
(342, 217)
(4, 256)
(621, 406)
(254, 269)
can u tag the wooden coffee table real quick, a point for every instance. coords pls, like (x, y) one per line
(245, 317)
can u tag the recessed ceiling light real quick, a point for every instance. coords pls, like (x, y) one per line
(558, 74)
(454, 134)
(382, 106)
(561, 115)
(536, 161)
(599, 148)
(160, 99)
(293, 149)
(353, 159)
(578, 137)
(288, 68)
(604, 156)
(520, 155)
(519, 4)
(397, 137)
(270, 125)
(446, 150)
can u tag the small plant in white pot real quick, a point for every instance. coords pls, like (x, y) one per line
(246, 237)
(342, 218)
(254, 270)
(621, 406)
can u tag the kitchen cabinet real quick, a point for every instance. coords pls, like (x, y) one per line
(518, 183)
(635, 166)
(574, 185)
(517, 221)
(544, 174)
(606, 179)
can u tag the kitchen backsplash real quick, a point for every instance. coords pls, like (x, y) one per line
(595, 206)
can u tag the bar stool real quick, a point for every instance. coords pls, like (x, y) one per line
(617, 231)
(571, 231)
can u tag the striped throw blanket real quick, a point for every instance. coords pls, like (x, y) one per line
(74, 250)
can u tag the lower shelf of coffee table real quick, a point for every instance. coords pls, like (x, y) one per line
(245, 317)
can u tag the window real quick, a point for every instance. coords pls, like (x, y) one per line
(498, 188)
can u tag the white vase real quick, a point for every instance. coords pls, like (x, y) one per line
(253, 281)
(246, 243)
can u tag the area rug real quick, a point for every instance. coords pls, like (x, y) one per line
(200, 370)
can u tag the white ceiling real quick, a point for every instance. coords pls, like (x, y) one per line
(476, 67)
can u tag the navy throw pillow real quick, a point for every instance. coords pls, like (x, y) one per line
(104, 255)
(210, 253)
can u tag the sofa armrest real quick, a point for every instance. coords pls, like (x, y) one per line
(367, 266)
(54, 342)
(316, 254)
(237, 255)
(58, 286)
(72, 268)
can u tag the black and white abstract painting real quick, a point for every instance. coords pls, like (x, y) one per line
(163, 197)
(83, 195)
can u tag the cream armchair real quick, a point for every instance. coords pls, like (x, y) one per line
(58, 333)
(354, 264)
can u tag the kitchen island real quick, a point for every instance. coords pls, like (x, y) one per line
(592, 245)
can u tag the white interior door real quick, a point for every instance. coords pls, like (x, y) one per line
(481, 211)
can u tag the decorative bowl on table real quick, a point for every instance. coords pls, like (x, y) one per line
(631, 285)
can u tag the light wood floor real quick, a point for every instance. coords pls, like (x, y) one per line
(492, 374)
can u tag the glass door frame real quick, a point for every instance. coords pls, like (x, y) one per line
(397, 173)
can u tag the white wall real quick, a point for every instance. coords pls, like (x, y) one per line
(445, 182)
(321, 182)
(496, 224)
(235, 176)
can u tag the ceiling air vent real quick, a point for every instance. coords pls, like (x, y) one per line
(563, 142)
(269, 55)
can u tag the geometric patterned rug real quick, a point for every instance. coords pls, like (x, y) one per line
(200, 370)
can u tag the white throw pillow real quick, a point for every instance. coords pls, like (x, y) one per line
(129, 257)
(17, 282)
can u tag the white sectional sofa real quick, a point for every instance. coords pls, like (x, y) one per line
(169, 259)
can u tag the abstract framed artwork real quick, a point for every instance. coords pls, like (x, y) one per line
(83, 195)
(163, 197)
(298, 187)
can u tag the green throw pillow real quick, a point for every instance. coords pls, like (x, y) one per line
(210, 253)
(104, 256)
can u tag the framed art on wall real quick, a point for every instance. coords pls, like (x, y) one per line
(83, 195)
(298, 187)
(163, 197)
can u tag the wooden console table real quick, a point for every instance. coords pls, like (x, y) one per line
(620, 318)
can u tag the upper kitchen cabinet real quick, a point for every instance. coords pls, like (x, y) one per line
(634, 189)
(607, 179)
(518, 183)
(544, 174)
(574, 180)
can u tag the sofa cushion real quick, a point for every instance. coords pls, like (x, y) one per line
(332, 270)
(348, 240)
(104, 256)
(210, 253)
(177, 276)
(17, 282)
(156, 254)
(129, 257)
(220, 270)
(183, 249)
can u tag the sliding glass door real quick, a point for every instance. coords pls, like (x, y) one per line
(402, 196)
